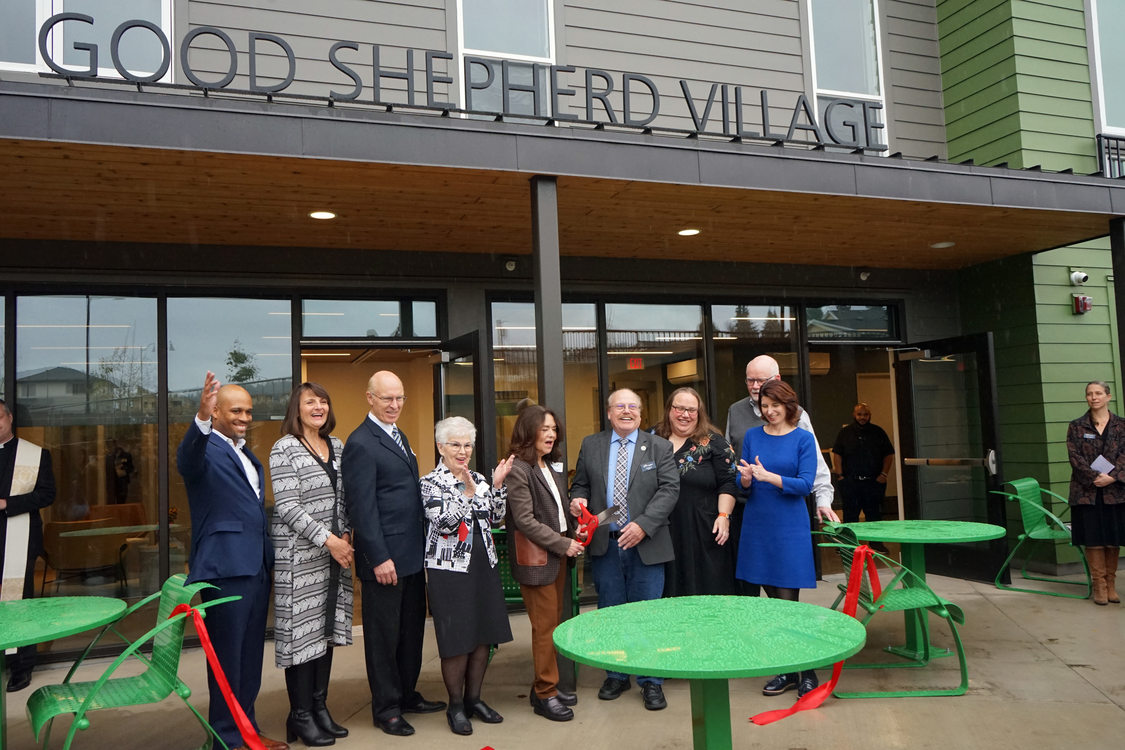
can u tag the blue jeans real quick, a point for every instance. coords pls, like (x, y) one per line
(620, 577)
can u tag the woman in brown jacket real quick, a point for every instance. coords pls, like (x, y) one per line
(541, 538)
(1097, 494)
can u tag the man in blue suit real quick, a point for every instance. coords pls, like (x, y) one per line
(384, 502)
(230, 545)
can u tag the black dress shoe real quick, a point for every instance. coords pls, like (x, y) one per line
(395, 725)
(18, 681)
(422, 706)
(482, 711)
(654, 696)
(808, 683)
(551, 708)
(780, 684)
(458, 722)
(567, 699)
(612, 688)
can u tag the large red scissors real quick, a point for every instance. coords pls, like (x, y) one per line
(588, 523)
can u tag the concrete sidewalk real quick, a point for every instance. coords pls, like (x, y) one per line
(1044, 672)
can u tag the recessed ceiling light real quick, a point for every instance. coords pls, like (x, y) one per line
(942, 245)
(322, 215)
(688, 232)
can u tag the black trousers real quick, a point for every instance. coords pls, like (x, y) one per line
(862, 494)
(394, 620)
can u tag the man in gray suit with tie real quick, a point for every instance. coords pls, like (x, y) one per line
(635, 473)
(384, 503)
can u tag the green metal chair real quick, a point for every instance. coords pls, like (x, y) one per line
(152, 686)
(1039, 525)
(904, 592)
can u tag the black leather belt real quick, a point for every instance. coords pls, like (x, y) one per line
(861, 479)
(614, 534)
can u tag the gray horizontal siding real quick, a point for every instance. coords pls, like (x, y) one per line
(756, 45)
(912, 61)
(311, 29)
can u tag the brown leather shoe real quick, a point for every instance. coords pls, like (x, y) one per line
(273, 744)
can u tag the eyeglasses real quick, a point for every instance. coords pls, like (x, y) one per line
(389, 399)
(625, 407)
(684, 409)
(460, 446)
(758, 381)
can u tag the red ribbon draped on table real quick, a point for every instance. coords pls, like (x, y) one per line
(245, 728)
(861, 558)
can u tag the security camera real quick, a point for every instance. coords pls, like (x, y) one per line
(1078, 278)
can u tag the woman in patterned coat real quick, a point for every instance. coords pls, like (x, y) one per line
(313, 557)
(466, 599)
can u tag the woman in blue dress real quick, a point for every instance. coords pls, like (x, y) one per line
(777, 467)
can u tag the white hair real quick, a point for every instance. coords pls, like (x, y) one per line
(454, 427)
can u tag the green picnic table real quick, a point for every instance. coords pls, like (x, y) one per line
(28, 621)
(708, 640)
(913, 536)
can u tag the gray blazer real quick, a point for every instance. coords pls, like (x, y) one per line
(654, 487)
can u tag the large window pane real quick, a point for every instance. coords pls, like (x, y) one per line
(743, 332)
(654, 349)
(365, 318)
(244, 341)
(851, 323)
(845, 44)
(18, 32)
(139, 49)
(1110, 31)
(425, 319)
(507, 27)
(86, 390)
(514, 359)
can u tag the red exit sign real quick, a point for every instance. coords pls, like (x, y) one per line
(636, 363)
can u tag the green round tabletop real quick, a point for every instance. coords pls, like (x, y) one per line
(710, 637)
(28, 621)
(925, 532)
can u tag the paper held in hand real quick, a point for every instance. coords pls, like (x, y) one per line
(1102, 465)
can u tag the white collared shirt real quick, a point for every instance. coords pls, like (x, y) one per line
(247, 466)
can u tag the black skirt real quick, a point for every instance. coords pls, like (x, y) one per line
(1098, 525)
(468, 608)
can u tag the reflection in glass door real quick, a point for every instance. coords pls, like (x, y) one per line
(950, 446)
(86, 371)
(456, 380)
(652, 350)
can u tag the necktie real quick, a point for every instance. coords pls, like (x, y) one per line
(398, 438)
(621, 483)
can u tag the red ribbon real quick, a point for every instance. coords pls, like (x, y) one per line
(245, 728)
(861, 557)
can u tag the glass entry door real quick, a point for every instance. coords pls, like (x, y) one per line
(950, 441)
(457, 388)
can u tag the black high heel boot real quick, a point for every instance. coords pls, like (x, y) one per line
(300, 722)
(322, 670)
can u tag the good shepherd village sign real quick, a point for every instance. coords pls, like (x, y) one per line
(845, 122)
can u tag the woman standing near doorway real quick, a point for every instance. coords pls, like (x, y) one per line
(312, 592)
(1096, 445)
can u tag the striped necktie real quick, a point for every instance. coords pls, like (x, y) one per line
(621, 483)
(398, 439)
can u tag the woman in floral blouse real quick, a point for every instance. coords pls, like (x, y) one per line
(700, 522)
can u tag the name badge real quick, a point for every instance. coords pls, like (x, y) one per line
(1089, 436)
(649, 465)
(557, 467)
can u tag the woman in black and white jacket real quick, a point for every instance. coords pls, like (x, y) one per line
(466, 598)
